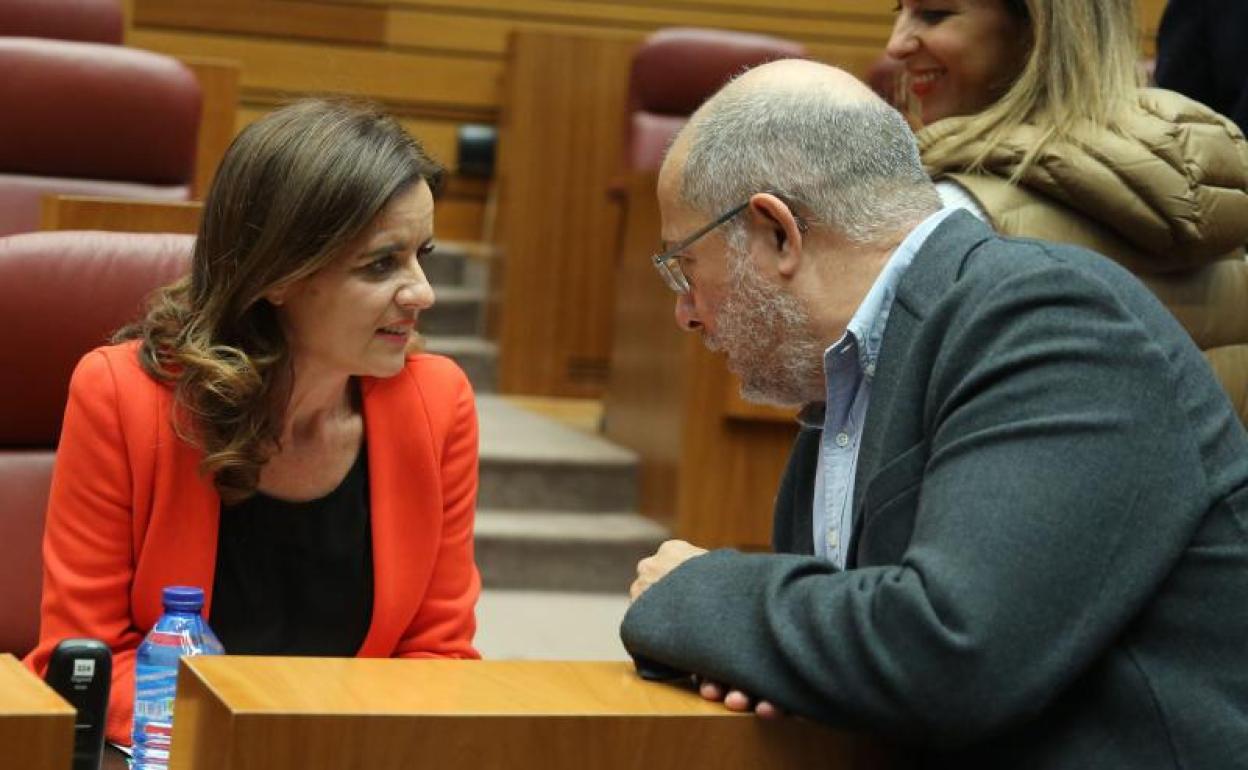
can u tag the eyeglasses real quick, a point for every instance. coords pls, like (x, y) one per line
(668, 263)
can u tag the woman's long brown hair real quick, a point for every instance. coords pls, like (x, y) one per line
(293, 190)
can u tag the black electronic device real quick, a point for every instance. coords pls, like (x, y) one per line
(81, 672)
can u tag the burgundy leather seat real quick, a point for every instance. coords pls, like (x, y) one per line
(675, 70)
(61, 294)
(92, 119)
(88, 21)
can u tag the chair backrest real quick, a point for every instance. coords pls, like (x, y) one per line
(88, 21)
(61, 294)
(675, 70)
(89, 118)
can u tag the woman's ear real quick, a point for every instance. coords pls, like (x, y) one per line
(277, 295)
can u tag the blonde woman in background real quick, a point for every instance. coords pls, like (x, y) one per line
(1031, 116)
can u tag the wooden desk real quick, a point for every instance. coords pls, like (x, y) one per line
(241, 713)
(36, 725)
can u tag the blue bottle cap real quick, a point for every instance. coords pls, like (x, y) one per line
(182, 598)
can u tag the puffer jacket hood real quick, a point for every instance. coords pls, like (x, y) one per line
(1175, 187)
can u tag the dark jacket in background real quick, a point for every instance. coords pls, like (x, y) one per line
(1202, 51)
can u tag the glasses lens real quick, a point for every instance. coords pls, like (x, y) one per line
(672, 275)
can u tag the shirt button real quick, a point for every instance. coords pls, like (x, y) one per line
(834, 539)
(842, 440)
(870, 370)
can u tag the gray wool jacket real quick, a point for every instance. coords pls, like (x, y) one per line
(1049, 564)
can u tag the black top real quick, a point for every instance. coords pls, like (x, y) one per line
(296, 578)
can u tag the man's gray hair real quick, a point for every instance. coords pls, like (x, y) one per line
(850, 166)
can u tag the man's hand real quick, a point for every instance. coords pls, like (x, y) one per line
(736, 700)
(652, 569)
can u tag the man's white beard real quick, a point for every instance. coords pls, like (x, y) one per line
(769, 339)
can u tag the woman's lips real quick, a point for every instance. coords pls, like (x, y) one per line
(397, 332)
(922, 83)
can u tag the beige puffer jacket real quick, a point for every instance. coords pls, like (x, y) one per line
(1169, 202)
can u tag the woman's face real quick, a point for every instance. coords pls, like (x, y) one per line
(358, 314)
(959, 55)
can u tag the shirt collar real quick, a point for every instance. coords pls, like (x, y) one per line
(865, 333)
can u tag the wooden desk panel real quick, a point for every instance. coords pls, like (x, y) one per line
(86, 212)
(458, 213)
(558, 150)
(36, 725)
(239, 713)
(218, 81)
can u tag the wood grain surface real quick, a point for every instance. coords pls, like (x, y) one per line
(36, 725)
(239, 713)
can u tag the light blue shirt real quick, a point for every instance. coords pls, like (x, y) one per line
(848, 370)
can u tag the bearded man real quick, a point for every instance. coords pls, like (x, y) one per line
(1013, 531)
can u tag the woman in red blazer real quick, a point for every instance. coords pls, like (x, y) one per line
(264, 433)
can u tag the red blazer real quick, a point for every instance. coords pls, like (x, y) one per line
(129, 513)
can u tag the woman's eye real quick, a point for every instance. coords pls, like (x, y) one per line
(424, 251)
(933, 17)
(380, 266)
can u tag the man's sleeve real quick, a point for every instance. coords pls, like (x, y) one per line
(1056, 492)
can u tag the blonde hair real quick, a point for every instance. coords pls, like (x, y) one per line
(294, 189)
(1079, 79)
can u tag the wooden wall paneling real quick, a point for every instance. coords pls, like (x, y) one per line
(127, 19)
(291, 19)
(82, 212)
(815, 8)
(484, 35)
(858, 8)
(439, 137)
(730, 469)
(218, 82)
(828, 24)
(559, 139)
(852, 59)
(481, 28)
(458, 214)
(461, 210)
(466, 87)
(644, 403)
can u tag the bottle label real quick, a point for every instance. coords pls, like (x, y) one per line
(161, 709)
(183, 639)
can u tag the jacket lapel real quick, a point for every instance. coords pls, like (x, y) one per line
(405, 505)
(791, 519)
(178, 539)
(894, 420)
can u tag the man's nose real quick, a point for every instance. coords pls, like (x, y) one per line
(686, 313)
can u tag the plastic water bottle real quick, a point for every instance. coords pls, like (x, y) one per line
(181, 630)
